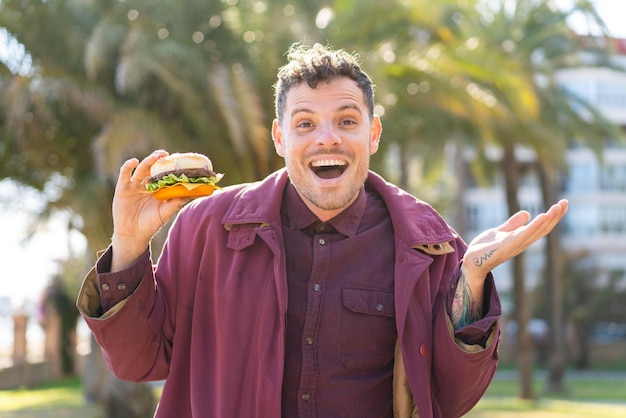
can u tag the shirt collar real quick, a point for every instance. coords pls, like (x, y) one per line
(300, 216)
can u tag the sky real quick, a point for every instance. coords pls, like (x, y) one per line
(27, 266)
(613, 12)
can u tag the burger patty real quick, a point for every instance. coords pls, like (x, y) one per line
(189, 172)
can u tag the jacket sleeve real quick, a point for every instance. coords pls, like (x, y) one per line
(128, 323)
(474, 336)
(464, 361)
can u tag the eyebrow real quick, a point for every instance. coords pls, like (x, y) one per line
(339, 109)
(300, 110)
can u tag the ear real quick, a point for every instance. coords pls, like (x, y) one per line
(277, 137)
(375, 132)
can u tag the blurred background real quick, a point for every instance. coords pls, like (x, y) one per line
(488, 107)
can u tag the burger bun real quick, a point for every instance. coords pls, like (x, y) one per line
(180, 161)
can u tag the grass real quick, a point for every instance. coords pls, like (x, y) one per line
(510, 407)
(582, 398)
(585, 397)
(55, 400)
(594, 390)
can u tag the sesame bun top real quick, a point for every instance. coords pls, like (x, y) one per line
(180, 161)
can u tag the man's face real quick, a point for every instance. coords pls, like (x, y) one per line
(327, 138)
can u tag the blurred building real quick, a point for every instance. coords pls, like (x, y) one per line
(596, 221)
(5, 306)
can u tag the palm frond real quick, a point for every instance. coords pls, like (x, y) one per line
(129, 133)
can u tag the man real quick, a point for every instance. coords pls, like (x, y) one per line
(320, 291)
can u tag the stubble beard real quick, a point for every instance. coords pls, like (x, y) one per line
(330, 201)
(327, 200)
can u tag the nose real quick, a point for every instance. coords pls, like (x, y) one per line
(328, 136)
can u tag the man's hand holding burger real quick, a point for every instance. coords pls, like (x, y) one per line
(137, 215)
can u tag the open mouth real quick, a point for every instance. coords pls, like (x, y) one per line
(329, 169)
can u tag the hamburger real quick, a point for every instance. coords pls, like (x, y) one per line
(186, 174)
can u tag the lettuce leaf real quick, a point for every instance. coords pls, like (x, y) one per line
(172, 179)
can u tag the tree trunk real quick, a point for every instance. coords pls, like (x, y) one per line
(525, 349)
(405, 161)
(458, 208)
(582, 357)
(554, 288)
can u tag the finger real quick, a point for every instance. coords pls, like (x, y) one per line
(126, 170)
(560, 208)
(552, 216)
(143, 169)
(544, 223)
(515, 221)
(170, 207)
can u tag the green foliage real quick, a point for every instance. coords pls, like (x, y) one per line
(115, 80)
(126, 78)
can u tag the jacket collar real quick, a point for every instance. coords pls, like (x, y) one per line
(415, 222)
(259, 202)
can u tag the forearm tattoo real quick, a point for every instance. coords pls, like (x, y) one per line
(465, 308)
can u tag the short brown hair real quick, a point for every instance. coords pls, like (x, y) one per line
(319, 63)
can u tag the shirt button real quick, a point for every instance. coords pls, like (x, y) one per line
(316, 287)
(322, 241)
(423, 350)
(309, 340)
(379, 307)
(105, 286)
(121, 286)
(306, 396)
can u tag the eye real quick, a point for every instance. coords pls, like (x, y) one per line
(304, 125)
(348, 122)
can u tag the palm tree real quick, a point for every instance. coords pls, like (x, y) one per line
(535, 35)
(127, 78)
(425, 88)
